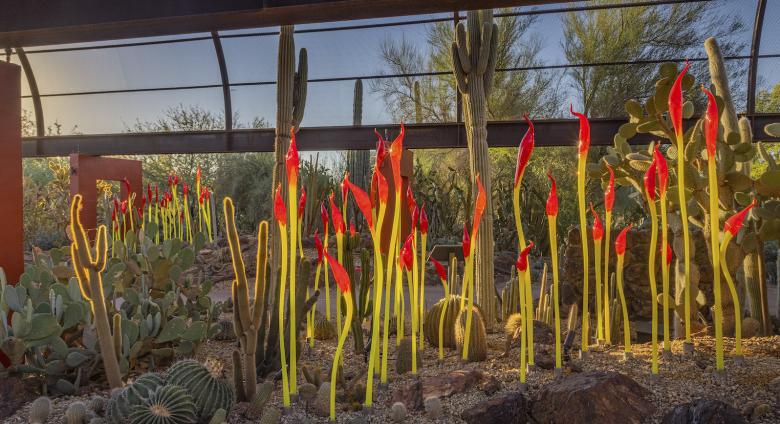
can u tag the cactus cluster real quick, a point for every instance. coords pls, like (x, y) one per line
(189, 392)
(510, 296)
(433, 316)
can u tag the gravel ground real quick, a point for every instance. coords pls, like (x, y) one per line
(682, 378)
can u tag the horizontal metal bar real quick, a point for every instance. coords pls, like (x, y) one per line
(557, 132)
(386, 76)
(365, 26)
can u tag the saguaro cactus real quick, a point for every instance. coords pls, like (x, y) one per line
(358, 161)
(474, 63)
(290, 104)
(88, 268)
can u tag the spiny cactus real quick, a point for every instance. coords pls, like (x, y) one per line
(358, 161)
(169, 404)
(76, 413)
(323, 329)
(220, 417)
(119, 407)
(39, 410)
(208, 389)
(513, 329)
(477, 339)
(291, 87)
(88, 268)
(403, 357)
(510, 296)
(474, 63)
(97, 405)
(271, 416)
(432, 317)
(226, 330)
(247, 314)
(313, 375)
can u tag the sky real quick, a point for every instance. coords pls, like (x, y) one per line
(351, 53)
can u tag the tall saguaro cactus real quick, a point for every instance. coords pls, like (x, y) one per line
(290, 104)
(358, 161)
(474, 64)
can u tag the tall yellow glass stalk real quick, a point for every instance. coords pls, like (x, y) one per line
(551, 210)
(524, 152)
(280, 213)
(583, 145)
(663, 178)
(609, 203)
(650, 177)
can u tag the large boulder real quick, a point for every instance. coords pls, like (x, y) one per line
(596, 396)
(507, 408)
(703, 411)
(442, 386)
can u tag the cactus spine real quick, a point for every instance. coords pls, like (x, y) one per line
(246, 318)
(88, 269)
(474, 62)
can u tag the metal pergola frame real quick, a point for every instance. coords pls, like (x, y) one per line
(446, 135)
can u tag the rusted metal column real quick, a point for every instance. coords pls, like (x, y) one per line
(11, 216)
(85, 171)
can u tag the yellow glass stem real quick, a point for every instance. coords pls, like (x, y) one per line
(714, 238)
(300, 237)
(337, 357)
(187, 219)
(524, 333)
(607, 302)
(599, 316)
(340, 258)
(282, 350)
(624, 306)
(421, 309)
(665, 273)
(327, 283)
(686, 235)
(733, 290)
(470, 295)
(581, 160)
(525, 283)
(552, 223)
(373, 359)
(292, 195)
(653, 289)
(412, 311)
(441, 318)
(391, 261)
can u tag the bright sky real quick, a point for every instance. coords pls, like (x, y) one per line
(331, 54)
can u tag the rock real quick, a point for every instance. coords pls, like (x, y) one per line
(433, 407)
(750, 327)
(458, 381)
(490, 385)
(544, 356)
(398, 412)
(13, 394)
(594, 396)
(774, 387)
(322, 401)
(760, 411)
(508, 408)
(703, 411)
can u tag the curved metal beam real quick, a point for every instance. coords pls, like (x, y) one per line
(40, 126)
(223, 73)
(755, 47)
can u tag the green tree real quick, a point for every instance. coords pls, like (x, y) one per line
(640, 33)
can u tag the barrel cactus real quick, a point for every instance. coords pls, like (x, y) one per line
(208, 389)
(477, 339)
(403, 357)
(39, 410)
(169, 404)
(323, 329)
(76, 413)
(432, 317)
(122, 401)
